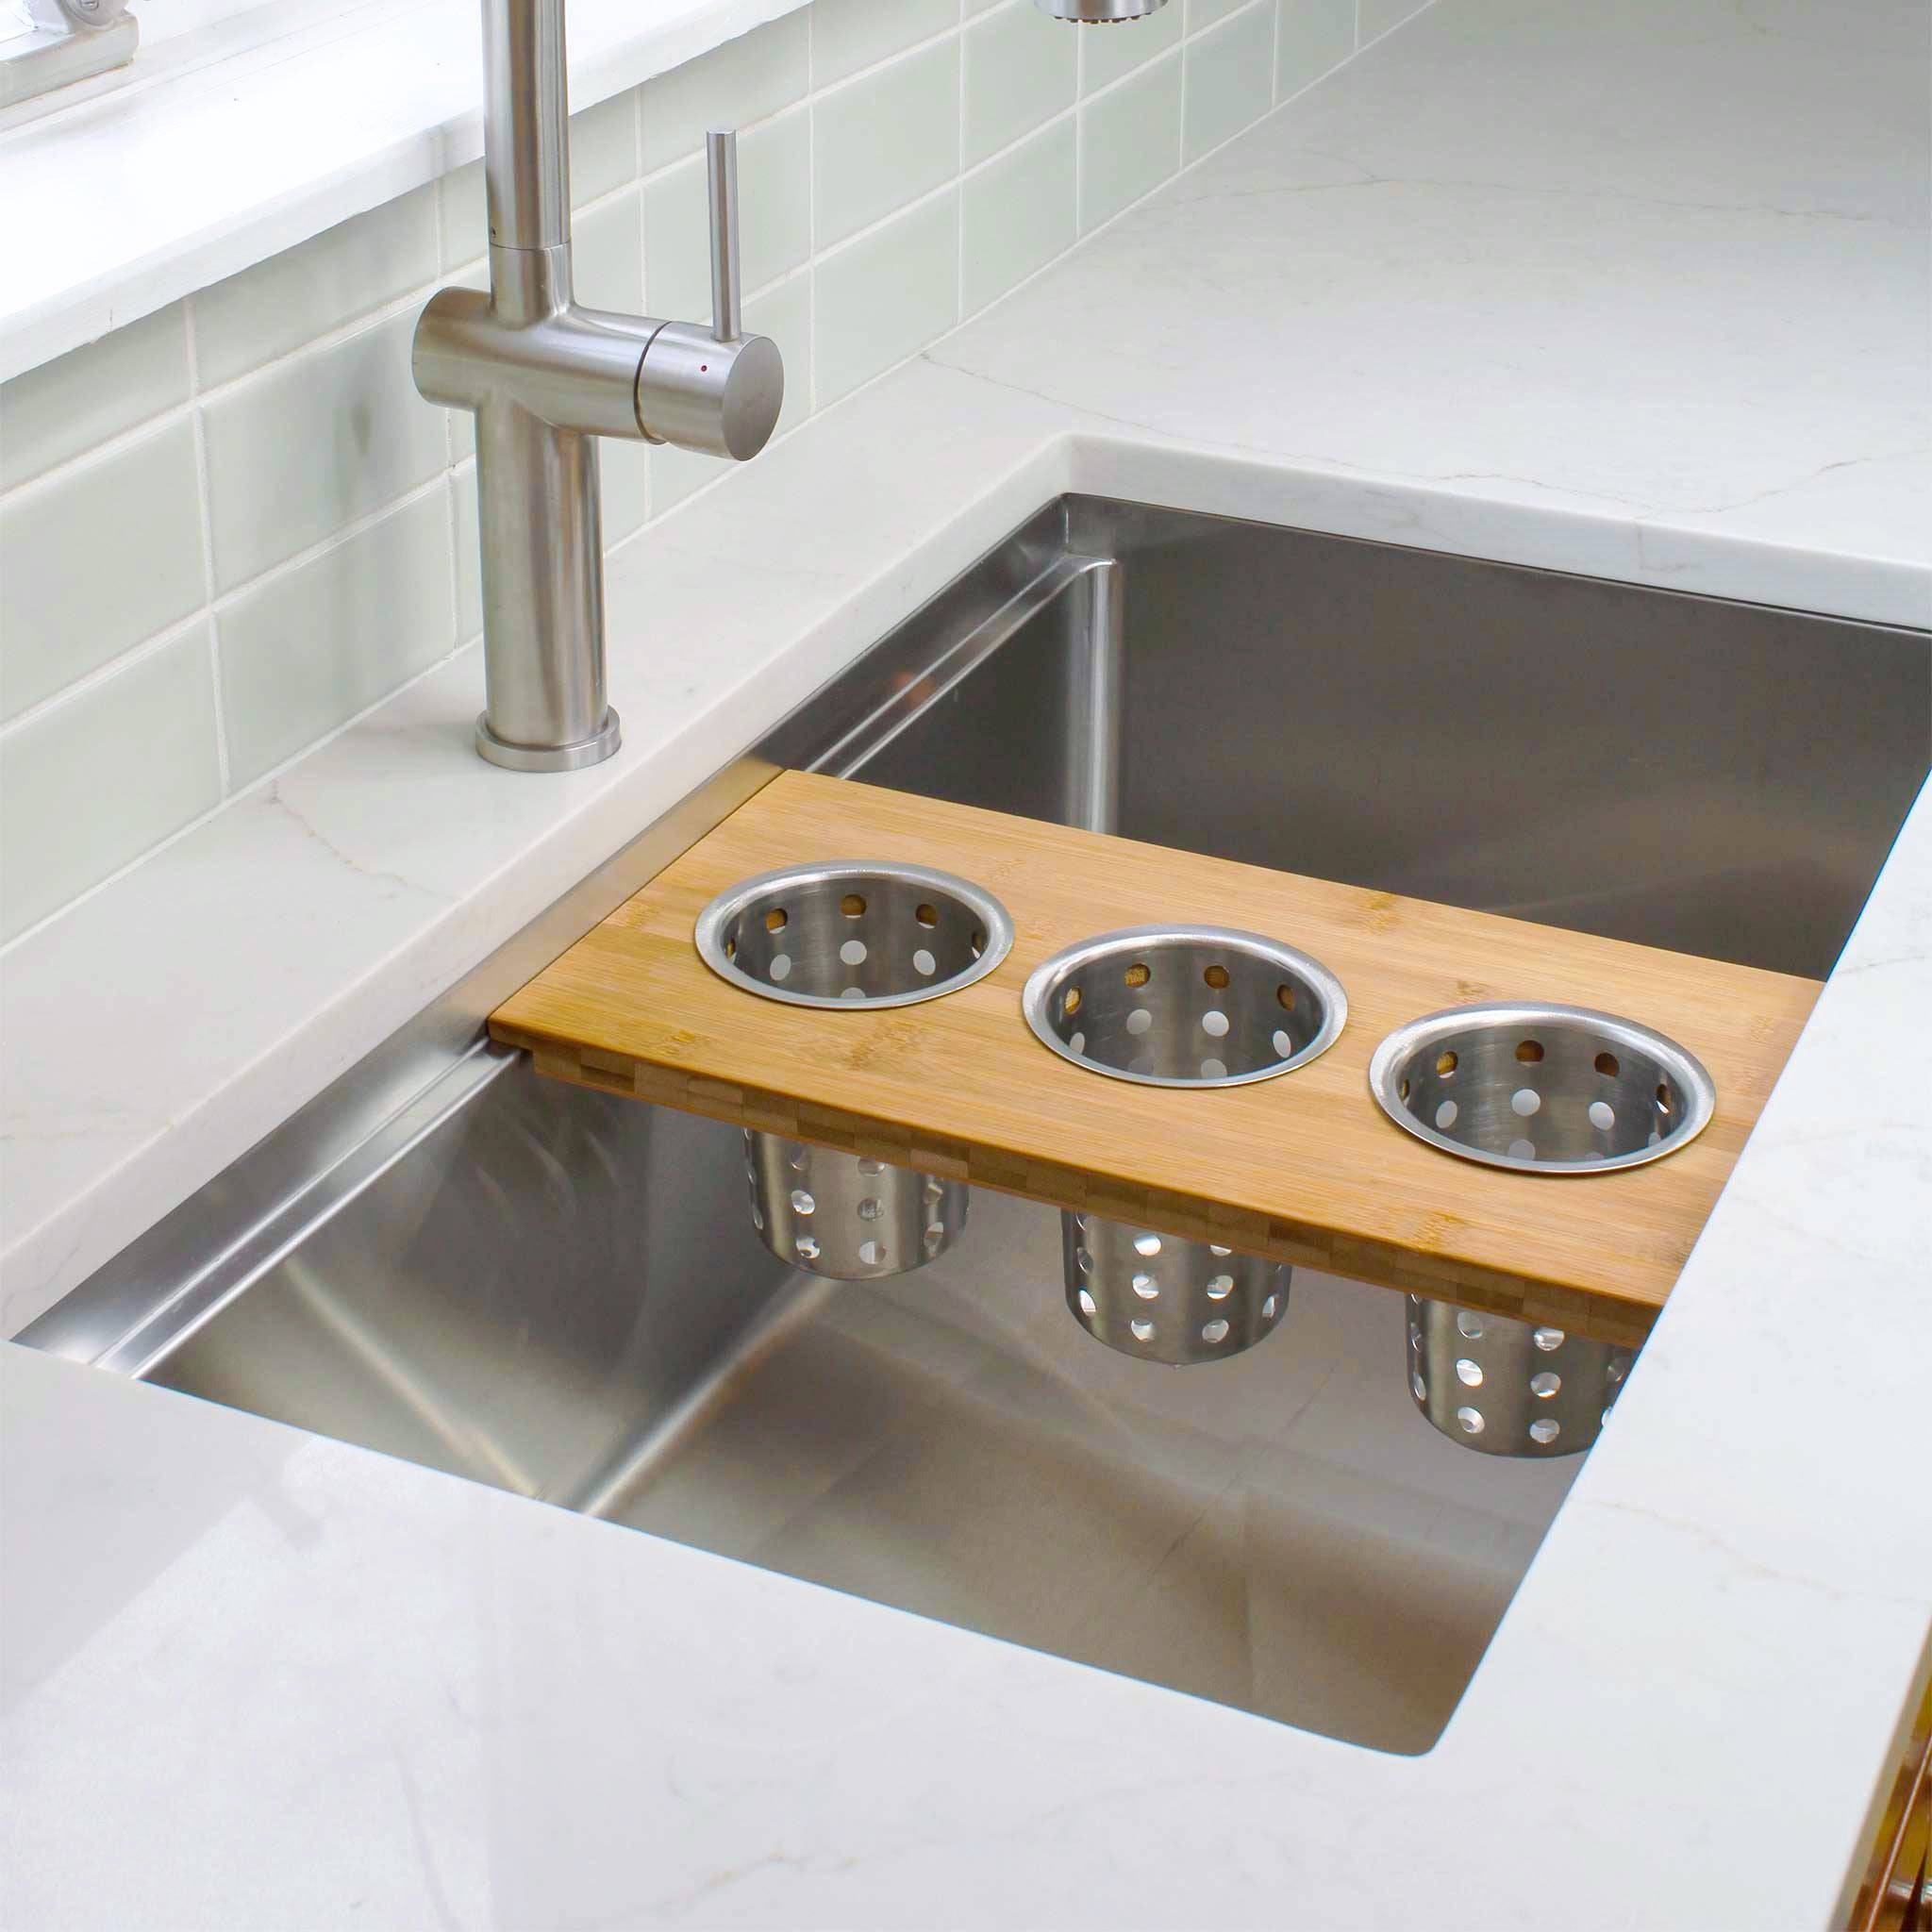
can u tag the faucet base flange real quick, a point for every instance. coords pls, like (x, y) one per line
(549, 757)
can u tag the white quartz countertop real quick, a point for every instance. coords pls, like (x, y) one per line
(1638, 291)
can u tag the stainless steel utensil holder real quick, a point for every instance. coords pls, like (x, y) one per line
(1179, 1006)
(1542, 1089)
(1163, 1299)
(1200, 1005)
(853, 936)
(841, 1215)
(1510, 1388)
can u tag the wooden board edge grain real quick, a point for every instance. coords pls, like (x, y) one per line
(1377, 1264)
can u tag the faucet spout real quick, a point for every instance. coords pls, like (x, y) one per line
(545, 377)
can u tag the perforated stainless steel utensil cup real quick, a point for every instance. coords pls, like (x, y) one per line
(1204, 1007)
(1199, 1006)
(853, 936)
(841, 1215)
(1510, 1388)
(1542, 1089)
(1163, 1299)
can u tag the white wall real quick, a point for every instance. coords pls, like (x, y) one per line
(230, 527)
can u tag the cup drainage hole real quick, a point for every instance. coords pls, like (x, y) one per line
(1214, 1023)
(1529, 1051)
(1216, 976)
(1526, 1101)
(927, 915)
(775, 919)
(1215, 1330)
(853, 952)
(1446, 1064)
(1138, 975)
(853, 905)
(1609, 1065)
(923, 962)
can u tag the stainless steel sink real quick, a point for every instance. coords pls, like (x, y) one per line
(561, 1293)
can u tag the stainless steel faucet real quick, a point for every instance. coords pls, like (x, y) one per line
(545, 379)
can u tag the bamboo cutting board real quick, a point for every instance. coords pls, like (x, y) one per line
(1302, 1168)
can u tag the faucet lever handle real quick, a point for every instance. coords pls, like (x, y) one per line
(721, 175)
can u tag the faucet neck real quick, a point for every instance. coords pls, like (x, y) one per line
(529, 285)
(526, 124)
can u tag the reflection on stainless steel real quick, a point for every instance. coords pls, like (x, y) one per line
(558, 1290)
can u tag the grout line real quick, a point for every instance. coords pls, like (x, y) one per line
(959, 171)
(205, 518)
(645, 461)
(449, 450)
(335, 539)
(91, 680)
(825, 90)
(811, 206)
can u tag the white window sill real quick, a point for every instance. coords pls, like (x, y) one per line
(224, 147)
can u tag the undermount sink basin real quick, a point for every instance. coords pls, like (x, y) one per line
(561, 1293)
